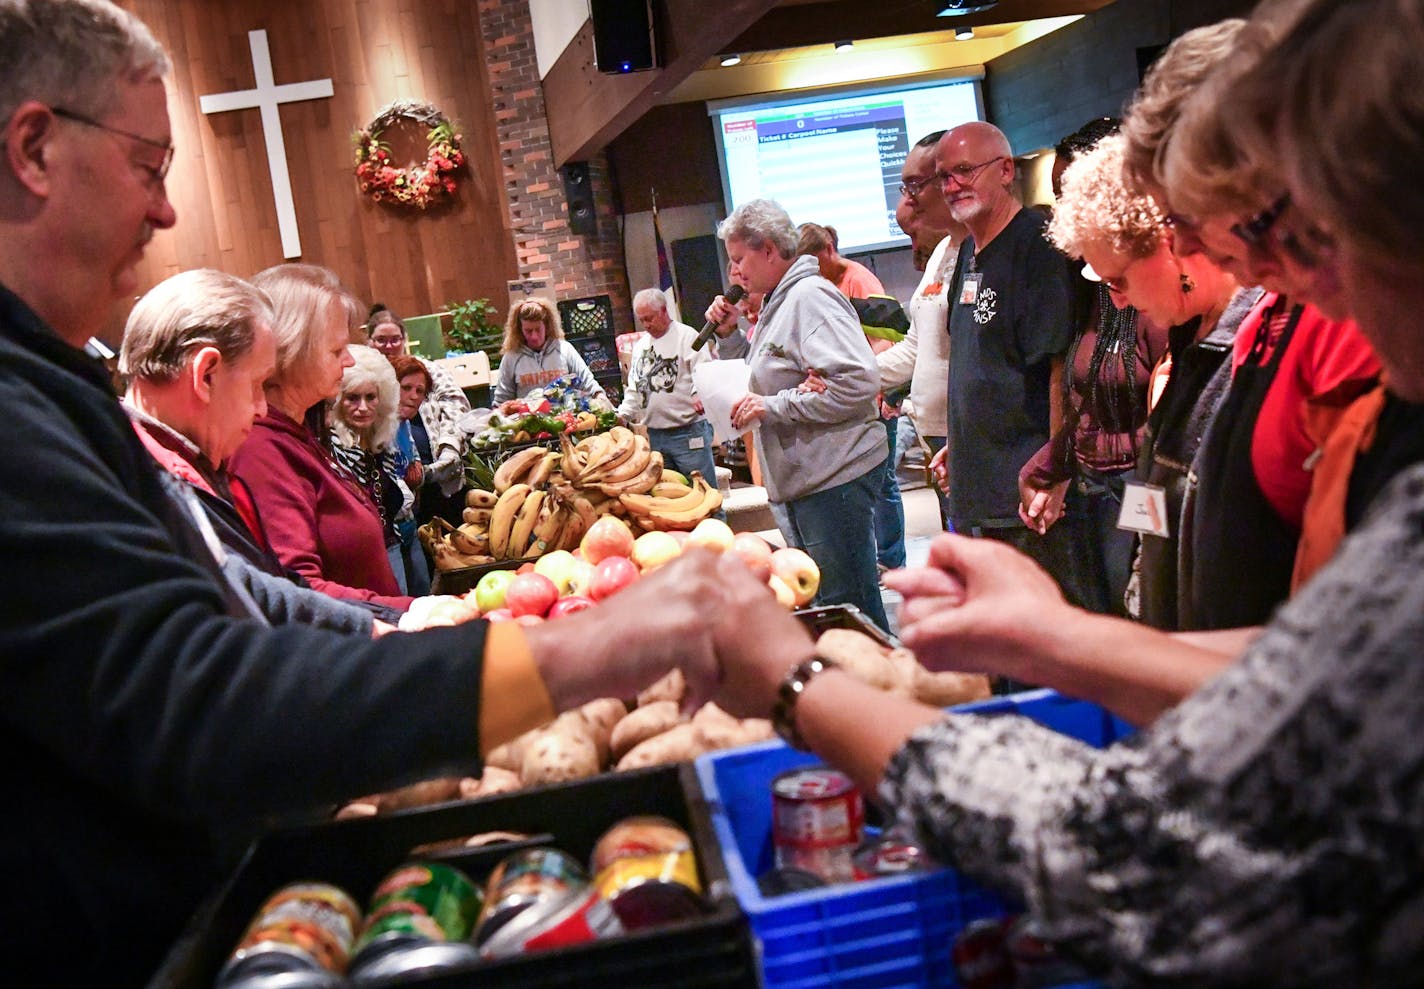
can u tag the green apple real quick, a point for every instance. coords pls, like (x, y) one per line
(559, 566)
(489, 592)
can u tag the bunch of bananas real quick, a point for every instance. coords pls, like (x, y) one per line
(545, 500)
(452, 547)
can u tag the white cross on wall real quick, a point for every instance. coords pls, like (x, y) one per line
(267, 96)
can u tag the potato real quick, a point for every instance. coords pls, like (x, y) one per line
(643, 724)
(558, 756)
(494, 838)
(710, 713)
(758, 730)
(678, 744)
(602, 716)
(860, 656)
(495, 780)
(510, 755)
(357, 808)
(670, 688)
(907, 671)
(946, 689)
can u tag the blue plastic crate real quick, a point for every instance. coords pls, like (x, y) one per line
(884, 933)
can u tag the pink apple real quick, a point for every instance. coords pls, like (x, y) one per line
(799, 572)
(498, 615)
(755, 553)
(569, 605)
(784, 595)
(612, 574)
(714, 534)
(529, 620)
(653, 549)
(530, 594)
(608, 536)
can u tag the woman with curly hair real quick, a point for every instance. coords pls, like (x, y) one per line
(535, 353)
(1121, 233)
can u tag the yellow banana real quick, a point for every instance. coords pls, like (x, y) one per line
(469, 540)
(523, 530)
(619, 444)
(670, 489)
(574, 528)
(630, 467)
(686, 518)
(475, 498)
(513, 470)
(539, 474)
(502, 521)
(478, 516)
(645, 504)
(548, 534)
(639, 484)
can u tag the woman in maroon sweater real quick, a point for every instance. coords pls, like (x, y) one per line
(321, 521)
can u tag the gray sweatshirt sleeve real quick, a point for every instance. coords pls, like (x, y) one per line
(283, 602)
(836, 348)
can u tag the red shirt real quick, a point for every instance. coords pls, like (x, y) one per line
(1324, 354)
(321, 524)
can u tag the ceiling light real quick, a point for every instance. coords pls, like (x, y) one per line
(953, 8)
(963, 33)
(843, 46)
(730, 60)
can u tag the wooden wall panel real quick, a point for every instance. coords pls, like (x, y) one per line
(374, 51)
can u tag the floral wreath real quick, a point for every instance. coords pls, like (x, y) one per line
(418, 185)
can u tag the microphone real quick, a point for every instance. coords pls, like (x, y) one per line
(732, 295)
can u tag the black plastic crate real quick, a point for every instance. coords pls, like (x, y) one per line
(712, 951)
(590, 316)
(463, 579)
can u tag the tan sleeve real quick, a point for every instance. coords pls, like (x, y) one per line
(513, 698)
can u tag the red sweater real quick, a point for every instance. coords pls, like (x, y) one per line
(321, 524)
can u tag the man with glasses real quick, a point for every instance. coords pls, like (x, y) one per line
(1011, 319)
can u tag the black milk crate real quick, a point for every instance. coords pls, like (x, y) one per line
(592, 316)
(712, 951)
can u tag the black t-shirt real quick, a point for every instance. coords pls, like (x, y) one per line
(1398, 444)
(1000, 361)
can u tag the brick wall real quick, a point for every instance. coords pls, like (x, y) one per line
(574, 267)
(1048, 89)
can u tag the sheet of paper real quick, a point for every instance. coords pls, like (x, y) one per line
(719, 385)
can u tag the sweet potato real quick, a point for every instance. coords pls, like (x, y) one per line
(678, 744)
(495, 780)
(557, 756)
(860, 656)
(510, 755)
(946, 689)
(357, 808)
(602, 716)
(643, 724)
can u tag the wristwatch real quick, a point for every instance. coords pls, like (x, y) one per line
(783, 713)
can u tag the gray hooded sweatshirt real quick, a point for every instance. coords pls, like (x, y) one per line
(810, 442)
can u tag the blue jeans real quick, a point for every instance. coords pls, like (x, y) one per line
(936, 444)
(408, 562)
(889, 510)
(677, 447)
(835, 528)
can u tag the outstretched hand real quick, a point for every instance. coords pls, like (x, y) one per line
(757, 642)
(978, 607)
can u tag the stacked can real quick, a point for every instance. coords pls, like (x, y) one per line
(301, 938)
(421, 919)
(540, 898)
(817, 815)
(646, 870)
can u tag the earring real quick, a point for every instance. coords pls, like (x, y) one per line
(1187, 284)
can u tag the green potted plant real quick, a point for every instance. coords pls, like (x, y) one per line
(473, 326)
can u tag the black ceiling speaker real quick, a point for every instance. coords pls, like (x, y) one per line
(623, 35)
(953, 8)
(578, 193)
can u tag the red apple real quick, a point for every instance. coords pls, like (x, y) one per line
(611, 575)
(755, 553)
(525, 568)
(608, 536)
(530, 594)
(799, 572)
(498, 615)
(569, 605)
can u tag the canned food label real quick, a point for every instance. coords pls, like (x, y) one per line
(445, 896)
(674, 867)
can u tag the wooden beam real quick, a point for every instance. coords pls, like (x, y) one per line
(799, 25)
(587, 109)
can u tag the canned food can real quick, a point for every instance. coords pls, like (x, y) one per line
(528, 877)
(817, 815)
(890, 856)
(574, 917)
(648, 890)
(416, 905)
(393, 959)
(981, 959)
(1037, 963)
(646, 834)
(304, 927)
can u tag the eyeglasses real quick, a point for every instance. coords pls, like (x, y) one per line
(965, 174)
(1253, 230)
(159, 172)
(911, 188)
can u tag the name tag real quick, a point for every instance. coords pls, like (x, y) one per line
(969, 289)
(1144, 510)
(696, 443)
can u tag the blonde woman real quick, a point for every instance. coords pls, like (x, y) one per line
(535, 353)
(365, 419)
